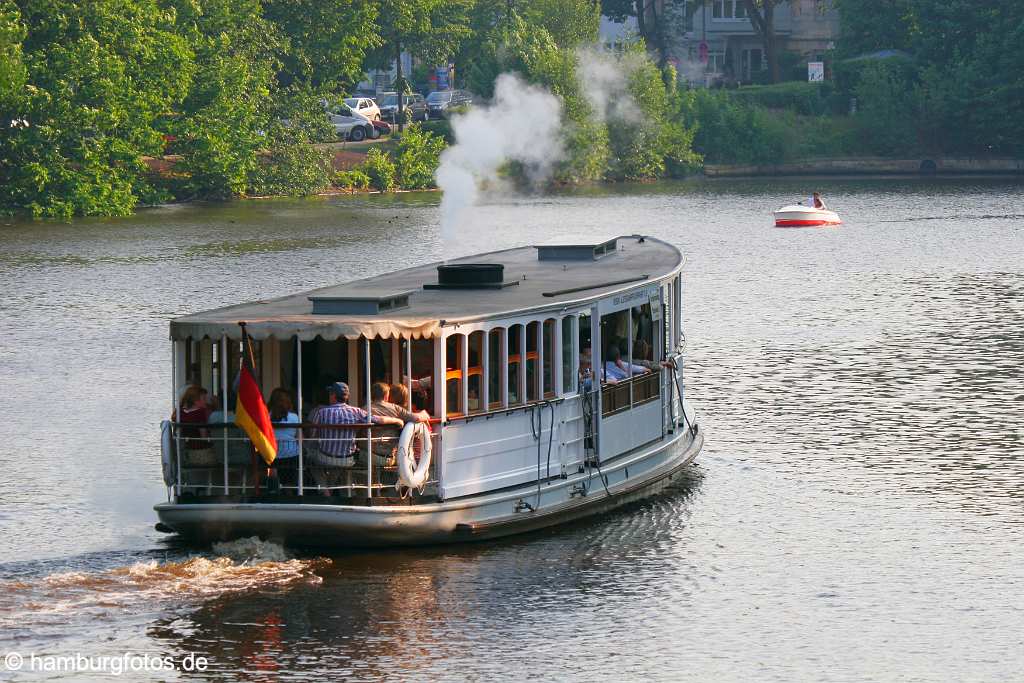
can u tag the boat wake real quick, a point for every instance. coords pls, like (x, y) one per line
(957, 217)
(242, 565)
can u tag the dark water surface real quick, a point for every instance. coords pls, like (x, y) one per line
(856, 513)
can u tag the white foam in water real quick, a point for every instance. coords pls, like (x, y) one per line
(236, 566)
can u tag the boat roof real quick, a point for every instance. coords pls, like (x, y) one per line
(551, 276)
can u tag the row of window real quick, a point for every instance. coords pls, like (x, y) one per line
(508, 366)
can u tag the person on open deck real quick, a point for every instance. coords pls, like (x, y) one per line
(194, 411)
(337, 448)
(817, 202)
(399, 395)
(617, 369)
(384, 450)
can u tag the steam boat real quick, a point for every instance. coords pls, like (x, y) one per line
(547, 381)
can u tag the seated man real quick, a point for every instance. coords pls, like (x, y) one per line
(384, 449)
(617, 369)
(336, 447)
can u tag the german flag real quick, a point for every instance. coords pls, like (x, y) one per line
(252, 416)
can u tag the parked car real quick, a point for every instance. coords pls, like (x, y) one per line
(413, 102)
(351, 125)
(441, 101)
(365, 106)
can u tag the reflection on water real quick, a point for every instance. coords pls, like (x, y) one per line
(855, 514)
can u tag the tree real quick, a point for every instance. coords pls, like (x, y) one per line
(652, 22)
(326, 41)
(97, 75)
(428, 29)
(762, 18)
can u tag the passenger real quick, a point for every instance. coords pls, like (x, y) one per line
(193, 411)
(239, 450)
(384, 449)
(618, 369)
(281, 411)
(587, 371)
(336, 448)
(817, 202)
(399, 395)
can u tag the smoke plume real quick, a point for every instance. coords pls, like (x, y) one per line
(520, 125)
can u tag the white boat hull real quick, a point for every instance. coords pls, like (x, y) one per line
(799, 216)
(630, 477)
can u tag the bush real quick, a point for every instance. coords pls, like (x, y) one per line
(885, 110)
(353, 180)
(418, 158)
(292, 168)
(380, 169)
(809, 99)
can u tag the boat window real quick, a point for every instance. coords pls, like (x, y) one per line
(532, 378)
(423, 375)
(643, 331)
(495, 340)
(550, 356)
(453, 374)
(515, 365)
(567, 347)
(586, 367)
(475, 381)
(614, 343)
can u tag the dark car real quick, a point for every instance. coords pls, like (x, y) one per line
(412, 102)
(441, 102)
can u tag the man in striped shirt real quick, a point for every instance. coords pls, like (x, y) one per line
(337, 448)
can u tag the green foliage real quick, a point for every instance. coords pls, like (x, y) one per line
(884, 111)
(381, 170)
(808, 99)
(326, 40)
(417, 158)
(97, 74)
(291, 167)
(353, 180)
(965, 76)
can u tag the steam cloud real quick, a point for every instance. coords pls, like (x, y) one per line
(521, 125)
(524, 124)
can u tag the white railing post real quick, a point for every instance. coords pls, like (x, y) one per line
(369, 418)
(224, 402)
(177, 416)
(298, 403)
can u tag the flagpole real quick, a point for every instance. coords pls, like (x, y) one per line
(252, 370)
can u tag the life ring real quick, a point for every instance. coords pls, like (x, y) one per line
(412, 474)
(167, 452)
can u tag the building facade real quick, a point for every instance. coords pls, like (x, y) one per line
(714, 40)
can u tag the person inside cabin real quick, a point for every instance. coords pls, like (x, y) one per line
(337, 447)
(384, 449)
(193, 410)
(618, 369)
(587, 371)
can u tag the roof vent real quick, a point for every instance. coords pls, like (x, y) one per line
(582, 249)
(359, 305)
(470, 276)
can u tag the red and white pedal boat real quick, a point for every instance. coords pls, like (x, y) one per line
(800, 216)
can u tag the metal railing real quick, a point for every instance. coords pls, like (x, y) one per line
(218, 459)
(625, 394)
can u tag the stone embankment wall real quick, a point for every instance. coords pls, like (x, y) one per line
(873, 166)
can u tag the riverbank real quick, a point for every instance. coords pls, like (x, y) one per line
(867, 166)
